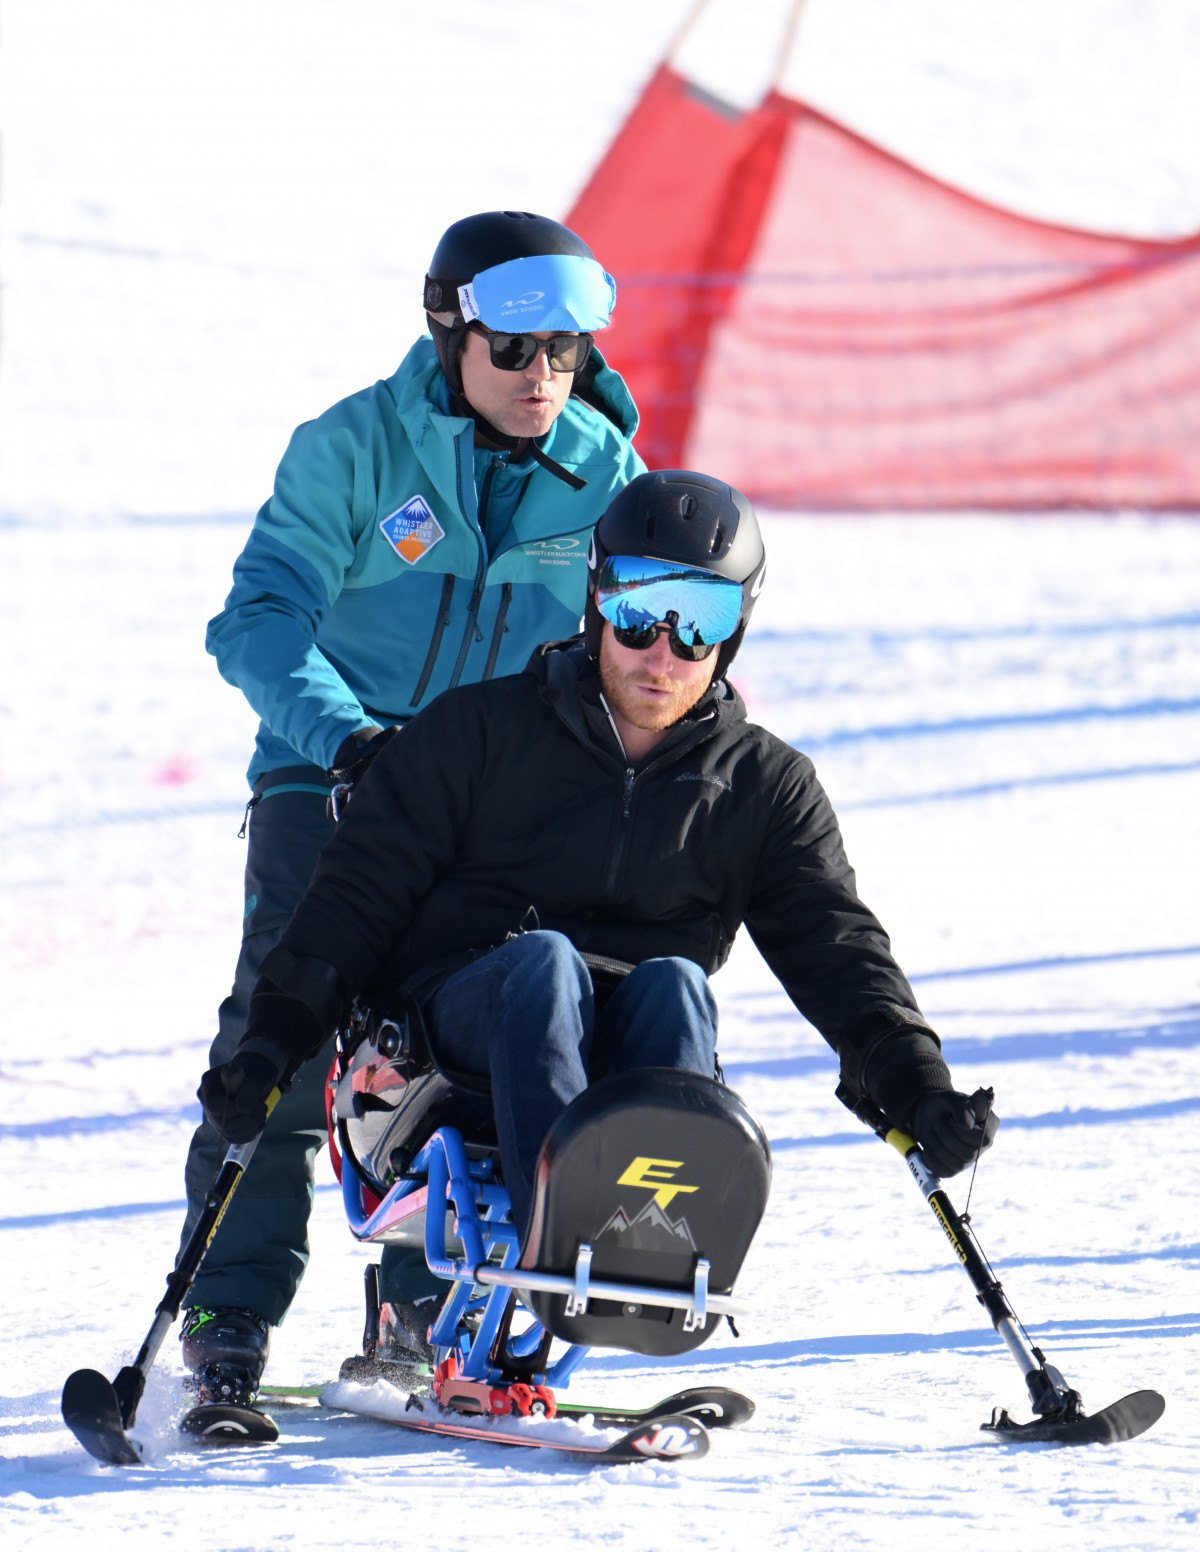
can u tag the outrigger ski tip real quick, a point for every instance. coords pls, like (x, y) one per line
(92, 1411)
(1124, 1419)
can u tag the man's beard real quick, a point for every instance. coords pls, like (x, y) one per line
(657, 714)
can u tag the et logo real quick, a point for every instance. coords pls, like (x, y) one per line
(655, 1175)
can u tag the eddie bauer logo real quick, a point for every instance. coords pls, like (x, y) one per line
(655, 1175)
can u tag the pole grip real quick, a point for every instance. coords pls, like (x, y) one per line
(901, 1141)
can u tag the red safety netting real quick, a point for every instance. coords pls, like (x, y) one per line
(823, 325)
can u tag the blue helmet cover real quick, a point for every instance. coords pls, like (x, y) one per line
(548, 291)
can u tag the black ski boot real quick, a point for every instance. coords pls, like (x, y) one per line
(404, 1331)
(226, 1350)
(395, 1344)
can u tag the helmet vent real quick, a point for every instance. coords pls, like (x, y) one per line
(718, 543)
(687, 506)
(650, 521)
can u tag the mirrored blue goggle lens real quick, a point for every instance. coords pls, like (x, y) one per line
(633, 592)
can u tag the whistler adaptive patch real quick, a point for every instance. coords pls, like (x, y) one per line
(412, 530)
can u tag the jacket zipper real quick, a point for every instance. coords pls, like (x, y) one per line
(443, 619)
(630, 777)
(622, 846)
(498, 630)
(472, 629)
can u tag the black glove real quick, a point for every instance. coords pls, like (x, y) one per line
(356, 753)
(281, 1033)
(351, 762)
(234, 1095)
(954, 1129)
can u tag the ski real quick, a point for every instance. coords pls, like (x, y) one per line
(1124, 1419)
(667, 1436)
(222, 1423)
(713, 1405)
(290, 1395)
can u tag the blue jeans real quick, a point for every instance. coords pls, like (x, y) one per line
(525, 1016)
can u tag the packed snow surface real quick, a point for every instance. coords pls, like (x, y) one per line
(214, 221)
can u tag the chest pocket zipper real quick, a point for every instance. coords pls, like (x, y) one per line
(498, 630)
(443, 619)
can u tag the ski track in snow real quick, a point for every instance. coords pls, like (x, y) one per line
(1006, 713)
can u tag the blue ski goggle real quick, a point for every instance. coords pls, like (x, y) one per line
(637, 594)
(550, 291)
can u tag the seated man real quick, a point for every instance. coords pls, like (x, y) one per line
(607, 815)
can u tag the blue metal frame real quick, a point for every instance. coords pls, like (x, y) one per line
(484, 1224)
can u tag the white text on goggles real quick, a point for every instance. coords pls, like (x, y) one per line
(634, 592)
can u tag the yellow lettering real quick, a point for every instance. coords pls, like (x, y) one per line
(648, 1173)
(950, 1235)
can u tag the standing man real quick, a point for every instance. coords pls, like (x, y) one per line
(427, 532)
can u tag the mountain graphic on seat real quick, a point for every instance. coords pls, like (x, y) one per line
(651, 1229)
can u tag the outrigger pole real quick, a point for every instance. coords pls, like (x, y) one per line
(1059, 1408)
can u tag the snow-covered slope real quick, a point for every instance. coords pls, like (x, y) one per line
(212, 223)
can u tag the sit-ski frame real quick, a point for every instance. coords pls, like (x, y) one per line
(442, 1174)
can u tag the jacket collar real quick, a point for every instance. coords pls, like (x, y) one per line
(570, 683)
(443, 441)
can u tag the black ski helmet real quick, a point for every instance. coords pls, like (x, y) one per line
(477, 243)
(688, 518)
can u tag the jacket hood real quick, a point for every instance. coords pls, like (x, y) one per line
(604, 389)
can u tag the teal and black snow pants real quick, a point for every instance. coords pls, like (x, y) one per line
(260, 1251)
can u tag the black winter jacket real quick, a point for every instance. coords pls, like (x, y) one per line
(517, 793)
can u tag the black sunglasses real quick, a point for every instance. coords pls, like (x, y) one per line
(514, 352)
(642, 637)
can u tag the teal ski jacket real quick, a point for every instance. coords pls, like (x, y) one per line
(395, 559)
